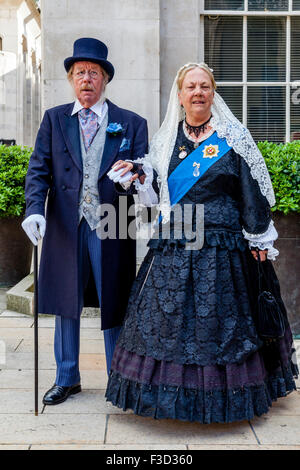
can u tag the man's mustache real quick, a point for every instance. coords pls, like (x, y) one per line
(87, 88)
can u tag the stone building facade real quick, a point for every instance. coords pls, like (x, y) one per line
(252, 45)
(20, 71)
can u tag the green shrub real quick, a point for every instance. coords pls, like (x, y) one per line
(13, 168)
(283, 162)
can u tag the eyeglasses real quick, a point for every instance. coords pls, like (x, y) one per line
(91, 73)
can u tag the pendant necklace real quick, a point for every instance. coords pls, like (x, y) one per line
(182, 150)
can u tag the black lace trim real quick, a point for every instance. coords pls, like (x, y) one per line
(212, 406)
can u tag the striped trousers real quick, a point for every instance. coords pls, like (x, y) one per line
(67, 330)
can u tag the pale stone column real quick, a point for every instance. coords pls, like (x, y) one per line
(179, 41)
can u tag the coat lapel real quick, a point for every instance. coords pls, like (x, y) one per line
(70, 129)
(112, 142)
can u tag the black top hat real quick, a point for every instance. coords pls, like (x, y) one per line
(92, 50)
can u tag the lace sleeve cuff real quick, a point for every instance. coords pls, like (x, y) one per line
(146, 194)
(264, 241)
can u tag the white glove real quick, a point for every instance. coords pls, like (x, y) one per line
(116, 178)
(35, 227)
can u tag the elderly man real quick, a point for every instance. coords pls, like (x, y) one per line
(76, 145)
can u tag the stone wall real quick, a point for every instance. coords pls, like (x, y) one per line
(20, 71)
(8, 95)
(180, 38)
(131, 31)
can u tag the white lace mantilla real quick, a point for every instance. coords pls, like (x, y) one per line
(225, 124)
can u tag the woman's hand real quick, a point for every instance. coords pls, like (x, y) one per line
(127, 167)
(262, 254)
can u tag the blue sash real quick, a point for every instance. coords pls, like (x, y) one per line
(193, 167)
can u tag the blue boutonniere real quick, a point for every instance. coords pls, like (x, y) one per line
(114, 128)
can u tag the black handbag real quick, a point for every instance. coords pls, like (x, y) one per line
(270, 319)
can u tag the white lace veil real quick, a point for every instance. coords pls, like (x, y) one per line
(225, 124)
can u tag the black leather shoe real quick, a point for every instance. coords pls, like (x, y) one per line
(58, 394)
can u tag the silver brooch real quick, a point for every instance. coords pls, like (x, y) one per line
(183, 152)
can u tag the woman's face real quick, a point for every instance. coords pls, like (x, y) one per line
(196, 94)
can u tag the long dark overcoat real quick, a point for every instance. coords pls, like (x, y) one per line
(55, 170)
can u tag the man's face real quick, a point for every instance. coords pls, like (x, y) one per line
(88, 82)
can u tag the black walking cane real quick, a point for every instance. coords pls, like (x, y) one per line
(36, 370)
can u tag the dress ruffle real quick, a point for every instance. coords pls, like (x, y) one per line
(199, 405)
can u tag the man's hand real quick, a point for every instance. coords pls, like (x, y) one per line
(35, 227)
(127, 167)
(262, 254)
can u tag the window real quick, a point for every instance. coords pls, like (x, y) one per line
(253, 47)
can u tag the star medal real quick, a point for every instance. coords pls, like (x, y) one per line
(211, 151)
(196, 170)
(183, 152)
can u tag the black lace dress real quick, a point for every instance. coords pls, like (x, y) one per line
(189, 348)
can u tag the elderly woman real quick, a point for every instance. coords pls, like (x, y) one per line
(189, 348)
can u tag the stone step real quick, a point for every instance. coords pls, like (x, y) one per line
(20, 297)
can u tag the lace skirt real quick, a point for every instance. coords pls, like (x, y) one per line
(189, 349)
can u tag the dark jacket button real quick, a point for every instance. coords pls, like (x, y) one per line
(63, 187)
(67, 168)
(65, 149)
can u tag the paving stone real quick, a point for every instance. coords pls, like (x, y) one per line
(46, 321)
(91, 323)
(277, 430)
(47, 333)
(109, 447)
(130, 429)
(9, 344)
(52, 429)
(88, 401)
(24, 379)
(92, 361)
(241, 447)
(289, 405)
(13, 447)
(92, 346)
(24, 360)
(25, 333)
(11, 322)
(18, 401)
(91, 333)
(46, 344)
(13, 314)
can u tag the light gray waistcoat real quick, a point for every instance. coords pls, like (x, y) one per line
(91, 161)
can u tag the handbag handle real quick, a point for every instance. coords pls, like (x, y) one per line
(261, 273)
